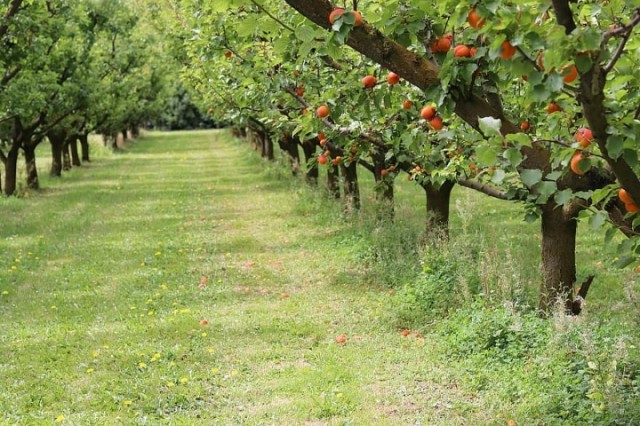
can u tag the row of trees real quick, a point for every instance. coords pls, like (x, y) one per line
(533, 101)
(68, 69)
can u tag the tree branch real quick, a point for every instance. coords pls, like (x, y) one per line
(14, 7)
(564, 15)
(484, 188)
(270, 15)
(626, 34)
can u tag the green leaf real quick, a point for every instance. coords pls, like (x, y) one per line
(486, 155)
(555, 82)
(615, 146)
(513, 156)
(597, 220)
(545, 190)
(490, 125)
(530, 177)
(540, 93)
(563, 197)
(498, 176)
(305, 33)
(583, 63)
(520, 138)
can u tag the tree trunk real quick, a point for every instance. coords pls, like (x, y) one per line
(333, 182)
(125, 135)
(135, 131)
(84, 144)
(438, 200)
(66, 155)
(309, 149)
(75, 157)
(56, 138)
(289, 145)
(384, 191)
(269, 146)
(351, 188)
(32, 170)
(11, 169)
(558, 256)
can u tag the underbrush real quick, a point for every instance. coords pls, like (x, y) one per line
(538, 370)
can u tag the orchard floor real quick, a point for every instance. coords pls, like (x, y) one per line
(183, 281)
(179, 283)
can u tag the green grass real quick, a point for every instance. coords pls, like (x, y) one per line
(106, 274)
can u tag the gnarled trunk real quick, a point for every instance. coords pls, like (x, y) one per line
(351, 188)
(289, 145)
(384, 191)
(32, 169)
(66, 155)
(333, 182)
(56, 138)
(11, 169)
(558, 256)
(75, 156)
(84, 145)
(309, 149)
(438, 199)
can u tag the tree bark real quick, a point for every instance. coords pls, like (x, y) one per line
(135, 132)
(11, 169)
(75, 157)
(558, 256)
(56, 138)
(32, 169)
(333, 182)
(125, 135)
(385, 193)
(438, 199)
(84, 145)
(268, 142)
(351, 188)
(309, 149)
(289, 145)
(66, 155)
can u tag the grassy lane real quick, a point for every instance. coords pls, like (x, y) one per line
(175, 284)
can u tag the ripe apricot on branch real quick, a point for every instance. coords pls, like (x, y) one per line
(461, 51)
(584, 137)
(442, 44)
(323, 111)
(322, 159)
(358, 17)
(475, 20)
(369, 81)
(228, 54)
(428, 112)
(624, 196)
(335, 13)
(407, 104)
(507, 50)
(553, 107)
(570, 73)
(524, 126)
(575, 163)
(436, 123)
(393, 78)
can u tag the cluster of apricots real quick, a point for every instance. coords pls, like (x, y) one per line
(584, 137)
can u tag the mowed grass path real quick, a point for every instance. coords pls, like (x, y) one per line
(184, 282)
